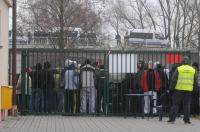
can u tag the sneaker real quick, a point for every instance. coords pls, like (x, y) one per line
(187, 122)
(171, 121)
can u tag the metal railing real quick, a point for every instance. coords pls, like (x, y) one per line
(91, 81)
(47, 42)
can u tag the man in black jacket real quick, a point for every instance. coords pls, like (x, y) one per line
(183, 82)
(37, 87)
(48, 88)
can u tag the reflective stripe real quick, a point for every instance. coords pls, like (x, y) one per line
(186, 78)
(182, 83)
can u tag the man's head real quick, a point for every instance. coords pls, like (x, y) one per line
(185, 60)
(29, 70)
(47, 65)
(150, 65)
(38, 66)
(196, 65)
(140, 64)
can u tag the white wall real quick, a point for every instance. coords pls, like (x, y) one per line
(4, 24)
(122, 63)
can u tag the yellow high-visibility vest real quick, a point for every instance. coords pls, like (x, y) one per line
(185, 78)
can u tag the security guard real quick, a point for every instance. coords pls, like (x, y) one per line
(184, 81)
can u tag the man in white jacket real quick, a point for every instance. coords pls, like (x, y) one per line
(88, 91)
(28, 85)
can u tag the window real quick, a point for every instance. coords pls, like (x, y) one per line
(159, 36)
(141, 35)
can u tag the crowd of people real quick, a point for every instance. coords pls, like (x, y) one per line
(72, 89)
(81, 89)
(153, 78)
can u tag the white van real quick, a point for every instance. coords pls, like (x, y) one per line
(144, 38)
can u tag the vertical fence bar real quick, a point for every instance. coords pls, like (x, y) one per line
(120, 85)
(28, 87)
(56, 84)
(107, 54)
(116, 88)
(23, 81)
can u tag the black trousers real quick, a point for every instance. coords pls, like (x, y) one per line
(177, 98)
(195, 104)
(71, 101)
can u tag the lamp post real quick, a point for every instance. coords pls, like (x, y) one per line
(14, 12)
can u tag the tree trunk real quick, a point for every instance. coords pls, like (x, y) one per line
(169, 20)
(164, 20)
(61, 41)
(184, 22)
(176, 39)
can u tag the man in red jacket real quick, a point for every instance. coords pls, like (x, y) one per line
(150, 84)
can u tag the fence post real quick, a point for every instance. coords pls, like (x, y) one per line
(106, 88)
(23, 79)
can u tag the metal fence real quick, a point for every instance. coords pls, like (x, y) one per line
(93, 81)
(53, 42)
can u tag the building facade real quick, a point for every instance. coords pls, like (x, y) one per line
(4, 46)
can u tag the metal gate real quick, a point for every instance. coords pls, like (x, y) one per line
(84, 82)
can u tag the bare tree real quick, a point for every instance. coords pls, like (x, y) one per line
(149, 12)
(114, 20)
(191, 24)
(121, 11)
(177, 24)
(138, 8)
(197, 7)
(135, 13)
(178, 20)
(51, 15)
(167, 14)
(185, 15)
